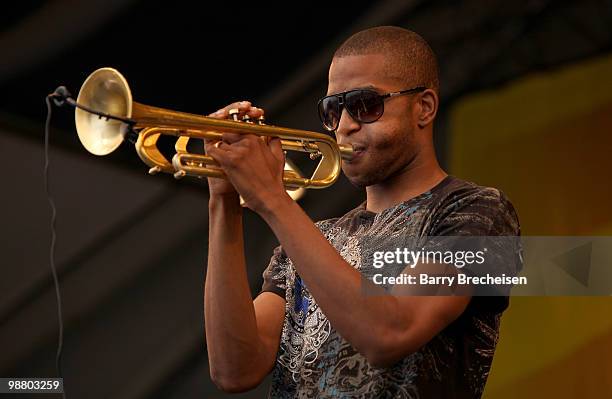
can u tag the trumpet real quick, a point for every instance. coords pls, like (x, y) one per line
(105, 114)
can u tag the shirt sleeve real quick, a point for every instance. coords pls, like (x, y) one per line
(486, 212)
(481, 211)
(275, 275)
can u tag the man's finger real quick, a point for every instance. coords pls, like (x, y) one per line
(218, 151)
(223, 113)
(277, 148)
(208, 144)
(232, 138)
(255, 112)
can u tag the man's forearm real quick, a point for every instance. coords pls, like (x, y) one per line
(231, 329)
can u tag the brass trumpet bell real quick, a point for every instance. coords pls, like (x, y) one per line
(107, 92)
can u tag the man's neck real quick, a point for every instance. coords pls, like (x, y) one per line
(413, 181)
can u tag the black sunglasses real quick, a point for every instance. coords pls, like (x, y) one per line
(364, 105)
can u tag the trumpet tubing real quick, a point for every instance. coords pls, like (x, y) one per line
(107, 91)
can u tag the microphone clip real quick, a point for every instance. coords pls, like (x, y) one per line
(60, 96)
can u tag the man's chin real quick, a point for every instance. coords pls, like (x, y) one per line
(361, 173)
(362, 180)
(363, 176)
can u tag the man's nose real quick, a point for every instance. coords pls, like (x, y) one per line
(347, 125)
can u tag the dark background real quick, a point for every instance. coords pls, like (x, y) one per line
(131, 248)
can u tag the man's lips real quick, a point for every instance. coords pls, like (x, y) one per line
(358, 151)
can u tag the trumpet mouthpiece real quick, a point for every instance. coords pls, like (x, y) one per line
(346, 151)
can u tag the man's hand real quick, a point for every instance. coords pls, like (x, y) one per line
(223, 187)
(254, 165)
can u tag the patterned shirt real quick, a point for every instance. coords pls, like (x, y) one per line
(314, 361)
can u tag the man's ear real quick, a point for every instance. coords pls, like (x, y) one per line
(428, 101)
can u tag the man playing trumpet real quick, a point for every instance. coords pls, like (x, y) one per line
(311, 325)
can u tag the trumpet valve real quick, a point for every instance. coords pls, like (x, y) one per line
(261, 120)
(247, 119)
(179, 174)
(233, 113)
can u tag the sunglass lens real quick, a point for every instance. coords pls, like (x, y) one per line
(364, 105)
(329, 112)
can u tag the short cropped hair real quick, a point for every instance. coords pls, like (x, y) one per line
(411, 60)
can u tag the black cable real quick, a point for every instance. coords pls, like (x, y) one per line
(61, 96)
(58, 357)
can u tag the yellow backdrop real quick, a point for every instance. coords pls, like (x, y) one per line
(546, 141)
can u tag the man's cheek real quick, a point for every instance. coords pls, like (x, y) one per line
(383, 140)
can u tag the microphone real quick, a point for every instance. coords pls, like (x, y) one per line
(60, 96)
